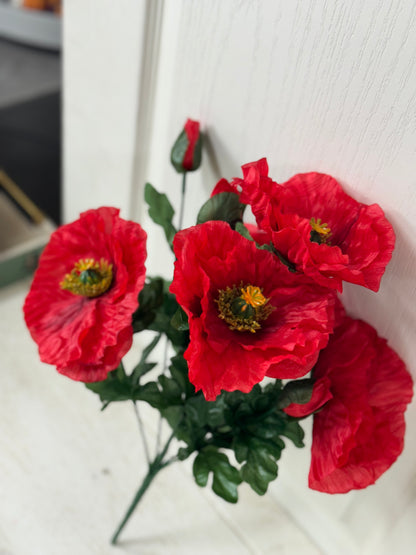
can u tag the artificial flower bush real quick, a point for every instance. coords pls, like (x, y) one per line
(257, 338)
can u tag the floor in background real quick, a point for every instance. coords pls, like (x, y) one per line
(69, 471)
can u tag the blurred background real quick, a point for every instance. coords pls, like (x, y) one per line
(30, 130)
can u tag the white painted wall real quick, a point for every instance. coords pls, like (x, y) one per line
(103, 47)
(311, 84)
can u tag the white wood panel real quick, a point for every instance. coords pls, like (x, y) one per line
(103, 49)
(313, 85)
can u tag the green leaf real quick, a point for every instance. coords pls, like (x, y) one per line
(111, 389)
(224, 206)
(179, 372)
(294, 432)
(196, 409)
(174, 415)
(201, 470)
(170, 389)
(160, 210)
(180, 320)
(289, 265)
(150, 393)
(259, 456)
(226, 477)
(150, 299)
(242, 230)
(296, 391)
(259, 470)
(219, 415)
(162, 322)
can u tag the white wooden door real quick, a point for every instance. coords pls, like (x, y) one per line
(310, 84)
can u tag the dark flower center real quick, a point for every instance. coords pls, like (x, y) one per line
(243, 307)
(89, 278)
(321, 232)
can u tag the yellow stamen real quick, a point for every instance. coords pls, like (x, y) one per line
(89, 278)
(321, 232)
(253, 296)
(243, 308)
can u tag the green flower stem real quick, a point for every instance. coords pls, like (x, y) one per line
(164, 368)
(154, 468)
(142, 432)
(181, 211)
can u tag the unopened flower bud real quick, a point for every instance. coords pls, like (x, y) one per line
(187, 151)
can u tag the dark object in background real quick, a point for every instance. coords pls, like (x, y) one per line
(24, 231)
(30, 150)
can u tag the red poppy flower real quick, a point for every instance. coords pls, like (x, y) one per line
(327, 234)
(84, 292)
(358, 433)
(248, 315)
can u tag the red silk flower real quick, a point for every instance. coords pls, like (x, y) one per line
(364, 388)
(249, 317)
(311, 221)
(84, 292)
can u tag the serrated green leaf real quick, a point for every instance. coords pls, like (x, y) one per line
(174, 416)
(160, 210)
(217, 415)
(226, 477)
(150, 393)
(259, 456)
(162, 322)
(179, 372)
(259, 471)
(170, 389)
(294, 432)
(150, 299)
(115, 387)
(240, 447)
(225, 207)
(243, 411)
(110, 390)
(196, 409)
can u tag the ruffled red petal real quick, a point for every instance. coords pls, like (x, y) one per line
(359, 433)
(212, 257)
(85, 338)
(362, 239)
(224, 186)
(321, 394)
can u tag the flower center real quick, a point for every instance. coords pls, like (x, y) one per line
(243, 308)
(321, 232)
(89, 278)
